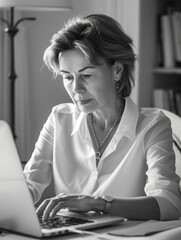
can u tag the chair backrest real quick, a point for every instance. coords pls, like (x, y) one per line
(176, 130)
(176, 127)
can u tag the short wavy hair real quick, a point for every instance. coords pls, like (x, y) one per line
(99, 37)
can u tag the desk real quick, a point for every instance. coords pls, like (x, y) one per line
(171, 234)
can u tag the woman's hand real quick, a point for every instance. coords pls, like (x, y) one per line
(80, 203)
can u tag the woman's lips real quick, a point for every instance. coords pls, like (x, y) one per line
(83, 101)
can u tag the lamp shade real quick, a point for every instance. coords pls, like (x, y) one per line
(37, 4)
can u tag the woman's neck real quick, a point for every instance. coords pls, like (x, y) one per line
(105, 118)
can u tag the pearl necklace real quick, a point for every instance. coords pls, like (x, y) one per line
(98, 145)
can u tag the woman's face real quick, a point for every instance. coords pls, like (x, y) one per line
(90, 87)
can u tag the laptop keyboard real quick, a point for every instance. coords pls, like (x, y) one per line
(62, 221)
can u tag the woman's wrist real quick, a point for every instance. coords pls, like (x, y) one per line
(99, 204)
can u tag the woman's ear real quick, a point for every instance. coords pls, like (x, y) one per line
(118, 69)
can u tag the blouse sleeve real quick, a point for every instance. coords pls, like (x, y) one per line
(162, 181)
(38, 170)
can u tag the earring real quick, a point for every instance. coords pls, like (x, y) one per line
(118, 84)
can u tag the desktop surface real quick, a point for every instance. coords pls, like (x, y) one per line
(171, 234)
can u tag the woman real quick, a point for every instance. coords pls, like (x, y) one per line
(103, 153)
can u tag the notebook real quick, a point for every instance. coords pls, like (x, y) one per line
(17, 211)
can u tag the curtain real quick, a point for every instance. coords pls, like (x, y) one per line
(22, 119)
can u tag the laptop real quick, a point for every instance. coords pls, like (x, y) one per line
(17, 211)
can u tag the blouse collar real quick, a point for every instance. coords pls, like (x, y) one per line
(127, 125)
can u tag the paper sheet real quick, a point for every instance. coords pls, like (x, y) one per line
(146, 228)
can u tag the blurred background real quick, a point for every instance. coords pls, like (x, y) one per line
(36, 92)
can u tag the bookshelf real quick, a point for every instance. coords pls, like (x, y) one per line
(155, 73)
(162, 70)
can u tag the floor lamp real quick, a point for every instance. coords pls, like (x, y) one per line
(12, 29)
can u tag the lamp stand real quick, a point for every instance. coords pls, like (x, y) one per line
(12, 30)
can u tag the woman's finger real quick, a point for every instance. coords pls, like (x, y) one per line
(57, 208)
(50, 206)
(42, 207)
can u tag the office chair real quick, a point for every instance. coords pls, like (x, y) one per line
(176, 132)
(176, 129)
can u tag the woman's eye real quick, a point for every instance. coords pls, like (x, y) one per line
(68, 78)
(86, 76)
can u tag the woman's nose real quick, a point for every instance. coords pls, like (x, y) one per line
(78, 85)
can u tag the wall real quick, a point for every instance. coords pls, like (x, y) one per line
(128, 14)
(44, 92)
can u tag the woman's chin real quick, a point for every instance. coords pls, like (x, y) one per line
(85, 109)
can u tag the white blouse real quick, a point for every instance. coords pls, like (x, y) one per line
(138, 161)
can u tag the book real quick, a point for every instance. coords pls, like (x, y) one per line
(167, 42)
(175, 22)
(172, 100)
(161, 99)
(159, 48)
(178, 102)
(169, 99)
